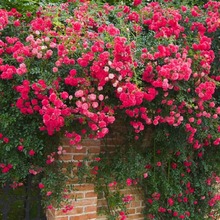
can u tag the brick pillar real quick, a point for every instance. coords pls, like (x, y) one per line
(83, 197)
(84, 200)
(136, 206)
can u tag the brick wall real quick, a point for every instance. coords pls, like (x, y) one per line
(85, 201)
(134, 208)
(83, 197)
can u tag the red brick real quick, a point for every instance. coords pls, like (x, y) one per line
(83, 150)
(72, 149)
(90, 209)
(74, 211)
(89, 142)
(138, 216)
(91, 216)
(68, 149)
(94, 150)
(83, 217)
(66, 157)
(84, 187)
(91, 195)
(131, 211)
(135, 204)
(85, 202)
(77, 195)
(78, 157)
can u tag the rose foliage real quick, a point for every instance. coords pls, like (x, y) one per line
(70, 70)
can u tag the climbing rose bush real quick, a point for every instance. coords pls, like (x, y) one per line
(69, 70)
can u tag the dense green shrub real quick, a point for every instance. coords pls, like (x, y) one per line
(24, 6)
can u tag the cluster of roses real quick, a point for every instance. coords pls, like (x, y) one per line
(6, 167)
(3, 19)
(113, 62)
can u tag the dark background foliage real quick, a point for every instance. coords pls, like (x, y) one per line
(31, 5)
